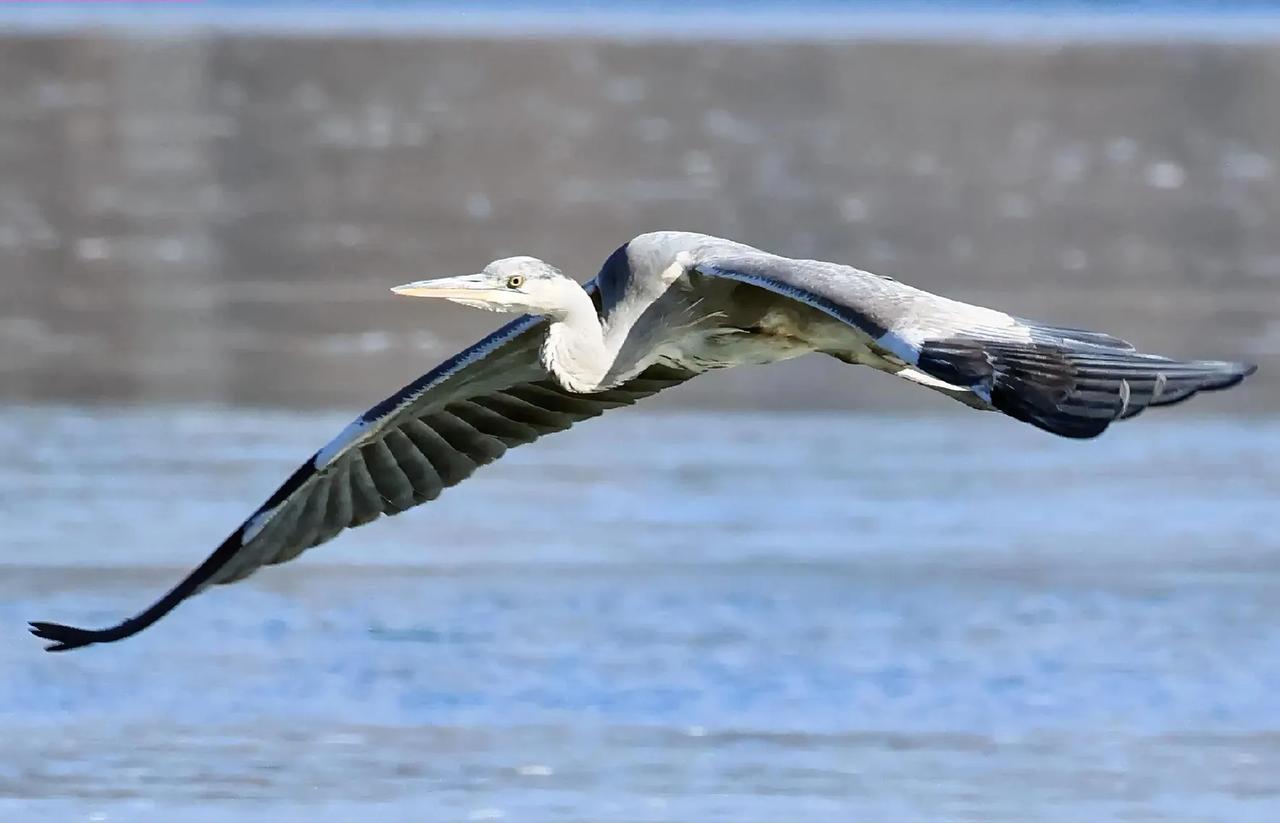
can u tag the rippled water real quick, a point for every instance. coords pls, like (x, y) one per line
(656, 617)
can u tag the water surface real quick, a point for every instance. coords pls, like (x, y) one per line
(656, 617)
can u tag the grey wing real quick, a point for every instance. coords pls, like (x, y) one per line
(432, 434)
(1071, 382)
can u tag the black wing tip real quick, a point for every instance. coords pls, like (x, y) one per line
(1230, 375)
(64, 638)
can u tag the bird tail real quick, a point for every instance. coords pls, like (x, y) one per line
(1072, 382)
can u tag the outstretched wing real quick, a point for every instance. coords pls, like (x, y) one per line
(430, 435)
(1070, 382)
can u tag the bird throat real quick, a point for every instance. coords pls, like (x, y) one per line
(576, 354)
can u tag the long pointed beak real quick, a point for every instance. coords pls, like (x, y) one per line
(447, 287)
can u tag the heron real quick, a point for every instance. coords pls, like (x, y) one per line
(663, 308)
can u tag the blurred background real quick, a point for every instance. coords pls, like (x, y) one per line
(800, 592)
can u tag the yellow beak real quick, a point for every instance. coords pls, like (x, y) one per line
(446, 287)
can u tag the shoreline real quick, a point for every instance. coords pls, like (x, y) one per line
(218, 218)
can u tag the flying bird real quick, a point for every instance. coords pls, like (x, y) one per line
(666, 307)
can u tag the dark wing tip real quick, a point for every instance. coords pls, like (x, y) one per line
(65, 638)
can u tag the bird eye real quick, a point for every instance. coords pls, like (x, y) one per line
(515, 281)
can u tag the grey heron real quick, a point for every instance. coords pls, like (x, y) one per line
(663, 308)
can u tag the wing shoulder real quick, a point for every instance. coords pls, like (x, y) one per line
(879, 307)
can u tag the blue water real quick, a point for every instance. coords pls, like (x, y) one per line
(697, 19)
(656, 617)
(749, 6)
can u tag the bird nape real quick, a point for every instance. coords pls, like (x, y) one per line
(663, 308)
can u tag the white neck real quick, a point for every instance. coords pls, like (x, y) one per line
(576, 350)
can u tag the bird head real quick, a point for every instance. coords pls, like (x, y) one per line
(514, 285)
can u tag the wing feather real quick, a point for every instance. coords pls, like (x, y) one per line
(432, 434)
(1071, 382)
